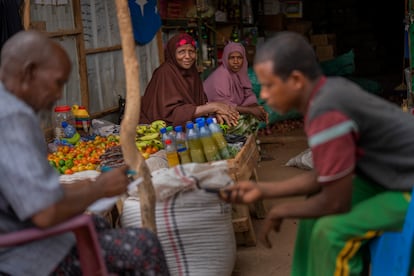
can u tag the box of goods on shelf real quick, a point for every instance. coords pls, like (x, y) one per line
(303, 27)
(325, 46)
(175, 8)
(272, 22)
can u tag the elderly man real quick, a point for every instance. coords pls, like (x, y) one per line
(33, 71)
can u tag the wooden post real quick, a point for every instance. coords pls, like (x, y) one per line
(26, 14)
(80, 46)
(131, 118)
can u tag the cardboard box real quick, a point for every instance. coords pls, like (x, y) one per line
(223, 34)
(293, 9)
(303, 27)
(275, 22)
(326, 52)
(271, 7)
(323, 39)
(175, 8)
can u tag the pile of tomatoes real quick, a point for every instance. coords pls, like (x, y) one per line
(83, 156)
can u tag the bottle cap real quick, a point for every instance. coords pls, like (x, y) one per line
(63, 108)
(200, 124)
(190, 125)
(200, 119)
(178, 129)
(163, 130)
(168, 141)
(169, 128)
(209, 120)
(64, 124)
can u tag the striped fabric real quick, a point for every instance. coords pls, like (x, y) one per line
(195, 230)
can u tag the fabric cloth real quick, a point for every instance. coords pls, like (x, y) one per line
(190, 176)
(224, 85)
(345, 136)
(335, 243)
(173, 93)
(135, 251)
(28, 184)
(10, 20)
(146, 20)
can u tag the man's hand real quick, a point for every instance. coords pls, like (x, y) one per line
(242, 192)
(113, 182)
(272, 221)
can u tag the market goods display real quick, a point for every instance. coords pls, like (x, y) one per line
(148, 140)
(112, 157)
(84, 155)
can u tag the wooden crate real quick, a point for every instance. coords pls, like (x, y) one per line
(243, 167)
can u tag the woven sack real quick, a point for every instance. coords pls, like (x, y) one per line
(195, 230)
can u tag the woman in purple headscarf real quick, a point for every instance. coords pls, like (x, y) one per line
(230, 83)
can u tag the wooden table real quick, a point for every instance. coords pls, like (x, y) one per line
(244, 167)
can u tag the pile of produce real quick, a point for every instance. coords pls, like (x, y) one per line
(246, 125)
(148, 139)
(112, 158)
(85, 155)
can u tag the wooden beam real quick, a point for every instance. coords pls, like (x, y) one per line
(103, 49)
(160, 47)
(80, 45)
(104, 112)
(71, 32)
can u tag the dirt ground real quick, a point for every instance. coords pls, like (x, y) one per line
(258, 260)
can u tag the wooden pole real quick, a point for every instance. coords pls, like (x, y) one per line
(131, 118)
(26, 14)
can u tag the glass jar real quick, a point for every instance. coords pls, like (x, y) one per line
(63, 113)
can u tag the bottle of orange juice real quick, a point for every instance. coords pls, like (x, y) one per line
(171, 152)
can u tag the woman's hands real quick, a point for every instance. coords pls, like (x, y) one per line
(224, 113)
(259, 112)
(255, 110)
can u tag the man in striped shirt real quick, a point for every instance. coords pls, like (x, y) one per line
(363, 153)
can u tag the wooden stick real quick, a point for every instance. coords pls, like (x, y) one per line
(131, 118)
(26, 15)
(103, 49)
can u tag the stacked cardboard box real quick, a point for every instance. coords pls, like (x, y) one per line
(325, 46)
(303, 27)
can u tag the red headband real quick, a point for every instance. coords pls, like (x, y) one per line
(185, 39)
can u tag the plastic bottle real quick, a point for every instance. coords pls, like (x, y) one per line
(194, 143)
(63, 113)
(201, 120)
(171, 133)
(210, 148)
(164, 136)
(70, 134)
(218, 137)
(181, 145)
(68, 130)
(171, 152)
